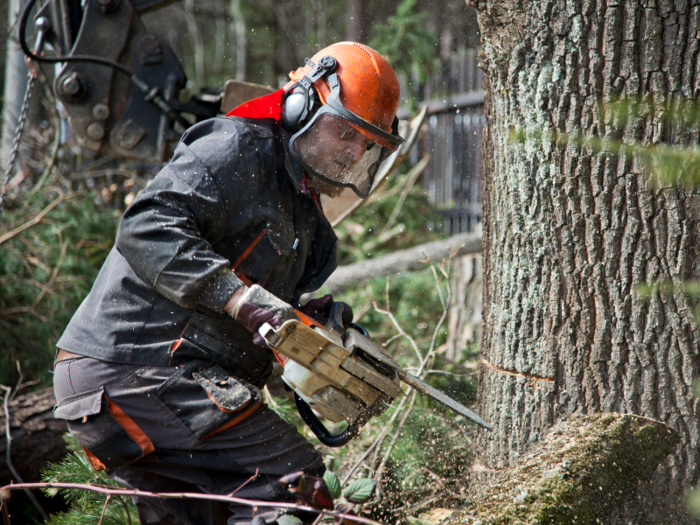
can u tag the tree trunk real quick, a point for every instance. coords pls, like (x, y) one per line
(570, 233)
(355, 22)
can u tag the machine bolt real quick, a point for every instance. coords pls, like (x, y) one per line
(100, 111)
(96, 131)
(73, 86)
(42, 24)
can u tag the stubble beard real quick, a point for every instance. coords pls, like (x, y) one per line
(325, 188)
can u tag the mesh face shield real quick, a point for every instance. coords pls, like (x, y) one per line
(337, 145)
(332, 149)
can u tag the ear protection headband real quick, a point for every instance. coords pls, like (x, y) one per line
(301, 100)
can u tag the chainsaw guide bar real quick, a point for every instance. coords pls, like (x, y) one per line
(345, 377)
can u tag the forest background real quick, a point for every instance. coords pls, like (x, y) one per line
(590, 168)
(48, 268)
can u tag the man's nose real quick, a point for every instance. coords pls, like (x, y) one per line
(356, 149)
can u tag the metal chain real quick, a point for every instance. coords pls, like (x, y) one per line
(18, 137)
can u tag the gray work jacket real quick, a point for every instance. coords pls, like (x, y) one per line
(231, 197)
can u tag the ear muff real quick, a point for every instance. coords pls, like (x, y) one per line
(298, 108)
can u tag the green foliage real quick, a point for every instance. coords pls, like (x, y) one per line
(415, 304)
(428, 445)
(361, 237)
(692, 502)
(284, 408)
(406, 41)
(46, 270)
(287, 519)
(85, 508)
(333, 483)
(359, 491)
(454, 381)
(431, 441)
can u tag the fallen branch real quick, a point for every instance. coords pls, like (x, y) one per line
(188, 495)
(404, 260)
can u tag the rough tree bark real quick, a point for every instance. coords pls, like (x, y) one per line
(570, 233)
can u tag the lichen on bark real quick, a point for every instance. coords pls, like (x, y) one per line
(583, 469)
(571, 232)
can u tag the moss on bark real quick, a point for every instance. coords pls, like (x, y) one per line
(584, 468)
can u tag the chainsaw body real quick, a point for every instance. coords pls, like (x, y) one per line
(343, 376)
(340, 377)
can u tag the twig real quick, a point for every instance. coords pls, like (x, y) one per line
(407, 413)
(417, 505)
(376, 442)
(257, 470)
(54, 274)
(9, 394)
(391, 340)
(398, 327)
(434, 476)
(318, 518)
(456, 425)
(5, 513)
(445, 309)
(109, 496)
(441, 372)
(412, 178)
(188, 495)
(362, 311)
(36, 220)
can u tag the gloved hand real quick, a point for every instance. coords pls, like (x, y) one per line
(335, 315)
(320, 306)
(257, 306)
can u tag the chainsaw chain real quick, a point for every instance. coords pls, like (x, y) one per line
(31, 78)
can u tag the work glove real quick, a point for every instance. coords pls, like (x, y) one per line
(318, 307)
(256, 307)
(310, 490)
(336, 316)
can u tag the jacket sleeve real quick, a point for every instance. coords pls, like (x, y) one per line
(167, 234)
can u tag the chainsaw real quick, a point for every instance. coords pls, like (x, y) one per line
(336, 370)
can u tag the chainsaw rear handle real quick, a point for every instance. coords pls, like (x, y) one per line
(318, 428)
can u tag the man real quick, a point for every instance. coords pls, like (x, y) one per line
(158, 373)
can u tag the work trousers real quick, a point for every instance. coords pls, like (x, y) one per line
(191, 428)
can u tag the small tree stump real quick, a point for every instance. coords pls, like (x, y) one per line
(36, 436)
(579, 473)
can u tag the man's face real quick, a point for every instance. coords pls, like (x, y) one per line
(332, 147)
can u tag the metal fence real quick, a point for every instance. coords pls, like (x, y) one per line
(452, 179)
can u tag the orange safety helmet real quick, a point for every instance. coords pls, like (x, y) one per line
(341, 111)
(368, 85)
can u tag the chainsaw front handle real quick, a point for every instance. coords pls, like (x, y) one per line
(318, 428)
